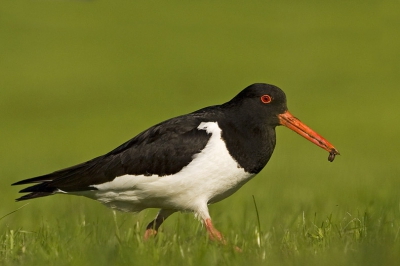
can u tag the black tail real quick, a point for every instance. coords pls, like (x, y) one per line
(34, 195)
(39, 190)
(79, 177)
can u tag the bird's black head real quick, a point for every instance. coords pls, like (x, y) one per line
(261, 100)
(260, 107)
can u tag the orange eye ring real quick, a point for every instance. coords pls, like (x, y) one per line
(266, 98)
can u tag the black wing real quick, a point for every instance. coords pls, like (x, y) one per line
(163, 149)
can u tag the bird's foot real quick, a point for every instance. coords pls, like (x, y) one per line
(150, 233)
(213, 233)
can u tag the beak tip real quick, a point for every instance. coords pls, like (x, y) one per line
(332, 154)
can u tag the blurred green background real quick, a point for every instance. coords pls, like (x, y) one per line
(78, 78)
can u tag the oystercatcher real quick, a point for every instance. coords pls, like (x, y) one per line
(184, 163)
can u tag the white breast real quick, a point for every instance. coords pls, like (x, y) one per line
(211, 176)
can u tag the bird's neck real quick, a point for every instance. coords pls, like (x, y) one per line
(250, 144)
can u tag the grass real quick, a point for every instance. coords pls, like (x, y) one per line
(363, 238)
(79, 78)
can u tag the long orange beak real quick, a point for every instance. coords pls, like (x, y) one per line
(288, 120)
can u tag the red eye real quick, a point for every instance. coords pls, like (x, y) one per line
(266, 98)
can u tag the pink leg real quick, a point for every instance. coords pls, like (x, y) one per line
(213, 233)
(152, 227)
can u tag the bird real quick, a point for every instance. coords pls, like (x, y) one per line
(184, 163)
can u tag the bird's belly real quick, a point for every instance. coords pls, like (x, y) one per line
(211, 176)
(172, 192)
